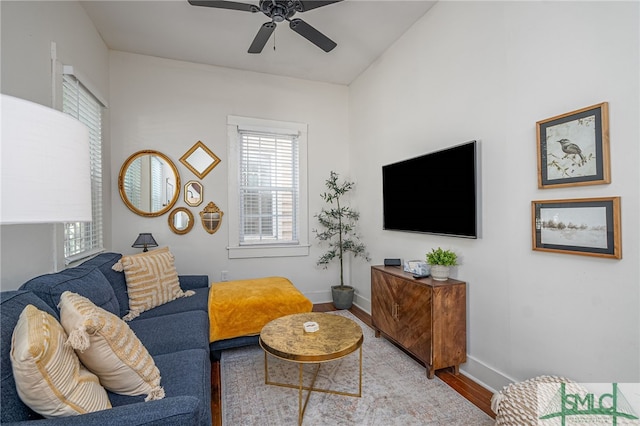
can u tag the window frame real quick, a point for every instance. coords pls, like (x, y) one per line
(235, 124)
(96, 225)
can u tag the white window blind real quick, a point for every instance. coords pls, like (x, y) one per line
(82, 239)
(268, 209)
(268, 188)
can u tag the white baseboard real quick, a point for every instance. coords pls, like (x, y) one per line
(484, 375)
(478, 371)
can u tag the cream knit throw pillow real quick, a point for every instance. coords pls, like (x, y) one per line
(108, 347)
(49, 377)
(152, 280)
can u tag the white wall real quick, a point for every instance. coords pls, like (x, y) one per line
(28, 28)
(489, 71)
(168, 106)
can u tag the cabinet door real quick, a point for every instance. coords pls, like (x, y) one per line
(383, 303)
(414, 327)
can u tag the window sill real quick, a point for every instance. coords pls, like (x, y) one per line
(246, 252)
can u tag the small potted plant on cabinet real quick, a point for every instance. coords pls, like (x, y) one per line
(441, 261)
(339, 232)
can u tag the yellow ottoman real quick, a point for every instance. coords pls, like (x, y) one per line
(243, 307)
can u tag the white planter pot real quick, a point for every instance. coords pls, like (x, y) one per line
(440, 272)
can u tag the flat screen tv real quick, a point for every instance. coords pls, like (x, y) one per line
(434, 193)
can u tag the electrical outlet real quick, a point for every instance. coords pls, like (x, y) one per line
(224, 276)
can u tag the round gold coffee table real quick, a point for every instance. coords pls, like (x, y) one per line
(286, 338)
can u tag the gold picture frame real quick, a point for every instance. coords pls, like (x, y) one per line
(573, 148)
(585, 226)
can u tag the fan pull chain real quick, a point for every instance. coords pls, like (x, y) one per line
(274, 41)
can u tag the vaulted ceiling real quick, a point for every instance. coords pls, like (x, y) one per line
(362, 29)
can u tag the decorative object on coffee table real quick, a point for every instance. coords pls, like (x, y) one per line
(441, 261)
(339, 223)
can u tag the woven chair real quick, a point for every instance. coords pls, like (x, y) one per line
(517, 404)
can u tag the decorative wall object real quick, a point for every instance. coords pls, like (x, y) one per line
(200, 160)
(181, 220)
(211, 217)
(573, 148)
(146, 183)
(587, 226)
(193, 193)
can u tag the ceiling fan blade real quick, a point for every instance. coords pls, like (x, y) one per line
(303, 6)
(262, 37)
(311, 34)
(220, 4)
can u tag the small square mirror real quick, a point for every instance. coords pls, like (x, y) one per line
(200, 160)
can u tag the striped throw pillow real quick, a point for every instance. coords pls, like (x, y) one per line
(152, 280)
(108, 347)
(48, 374)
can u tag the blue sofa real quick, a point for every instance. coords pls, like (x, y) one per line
(176, 335)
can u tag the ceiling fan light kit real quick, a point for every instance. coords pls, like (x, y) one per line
(278, 11)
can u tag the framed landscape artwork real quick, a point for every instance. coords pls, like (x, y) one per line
(587, 226)
(573, 148)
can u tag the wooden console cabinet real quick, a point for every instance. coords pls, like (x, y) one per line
(424, 316)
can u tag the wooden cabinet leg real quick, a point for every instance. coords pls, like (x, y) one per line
(456, 370)
(377, 333)
(430, 372)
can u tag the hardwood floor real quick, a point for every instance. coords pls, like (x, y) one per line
(476, 394)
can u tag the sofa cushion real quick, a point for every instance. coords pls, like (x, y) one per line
(197, 302)
(12, 303)
(106, 345)
(84, 280)
(174, 332)
(104, 262)
(185, 373)
(49, 377)
(152, 280)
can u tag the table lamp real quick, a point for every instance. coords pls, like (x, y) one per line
(145, 240)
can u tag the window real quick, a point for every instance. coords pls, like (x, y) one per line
(83, 239)
(267, 188)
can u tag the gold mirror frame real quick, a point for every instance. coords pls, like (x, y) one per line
(200, 160)
(165, 206)
(190, 189)
(172, 221)
(211, 217)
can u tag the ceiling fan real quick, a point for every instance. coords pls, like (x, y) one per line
(278, 11)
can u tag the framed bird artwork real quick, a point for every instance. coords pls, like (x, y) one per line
(573, 148)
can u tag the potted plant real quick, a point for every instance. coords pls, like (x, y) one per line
(441, 261)
(339, 232)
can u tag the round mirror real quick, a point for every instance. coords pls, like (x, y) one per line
(149, 183)
(193, 193)
(181, 220)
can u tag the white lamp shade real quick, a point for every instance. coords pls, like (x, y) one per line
(46, 174)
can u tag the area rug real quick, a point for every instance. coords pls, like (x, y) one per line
(395, 390)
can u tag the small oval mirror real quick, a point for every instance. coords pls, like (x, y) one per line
(181, 220)
(211, 217)
(149, 183)
(193, 193)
